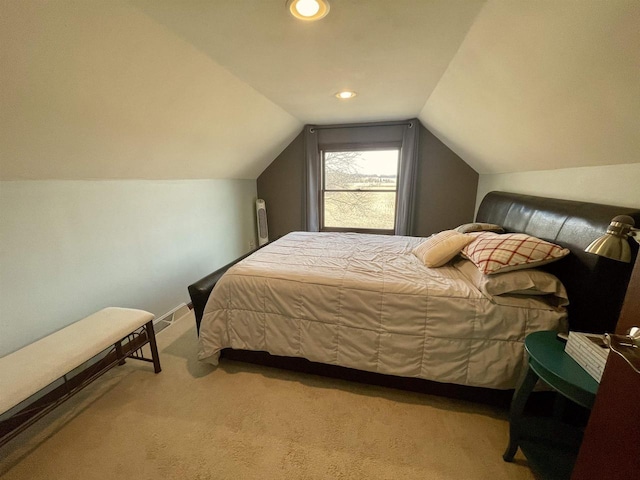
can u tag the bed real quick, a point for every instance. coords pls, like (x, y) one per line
(364, 302)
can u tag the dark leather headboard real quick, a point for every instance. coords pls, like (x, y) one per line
(596, 285)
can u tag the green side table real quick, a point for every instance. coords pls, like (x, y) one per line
(549, 445)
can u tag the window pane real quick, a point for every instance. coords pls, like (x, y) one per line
(360, 210)
(363, 169)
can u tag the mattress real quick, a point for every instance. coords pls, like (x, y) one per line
(366, 302)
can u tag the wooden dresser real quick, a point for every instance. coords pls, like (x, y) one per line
(611, 445)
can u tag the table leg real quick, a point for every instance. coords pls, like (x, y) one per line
(559, 405)
(520, 397)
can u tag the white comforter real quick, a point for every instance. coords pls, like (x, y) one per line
(366, 302)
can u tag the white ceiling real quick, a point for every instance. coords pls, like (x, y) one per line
(166, 89)
(392, 53)
(543, 85)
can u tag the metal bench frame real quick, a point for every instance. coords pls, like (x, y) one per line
(128, 347)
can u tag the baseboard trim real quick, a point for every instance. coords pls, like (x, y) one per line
(171, 317)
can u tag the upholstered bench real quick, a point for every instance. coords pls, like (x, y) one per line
(27, 371)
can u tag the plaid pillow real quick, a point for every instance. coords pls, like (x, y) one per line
(438, 249)
(493, 253)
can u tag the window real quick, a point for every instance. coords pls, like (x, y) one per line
(359, 189)
(365, 144)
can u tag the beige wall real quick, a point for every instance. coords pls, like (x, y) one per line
(70, 248)
(611, 184)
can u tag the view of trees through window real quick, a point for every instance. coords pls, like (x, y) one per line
(360, 189)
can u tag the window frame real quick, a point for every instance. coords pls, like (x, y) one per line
(357, 147)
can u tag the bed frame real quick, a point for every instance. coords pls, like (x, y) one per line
(596, 286)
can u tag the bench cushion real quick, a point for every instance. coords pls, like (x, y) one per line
(30, 369)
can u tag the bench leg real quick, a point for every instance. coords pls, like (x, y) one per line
(119, 353)
(151, 335)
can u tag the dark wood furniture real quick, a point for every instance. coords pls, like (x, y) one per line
(611, 445)
(595, 285)
(630, 314)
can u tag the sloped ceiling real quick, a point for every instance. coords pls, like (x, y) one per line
(543, 85)
(98, 90)
(392, 53)
(169, 89)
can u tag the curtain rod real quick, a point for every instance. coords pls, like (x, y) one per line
(409, 123)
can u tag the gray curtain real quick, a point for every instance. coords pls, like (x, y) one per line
(312, 174)
(404, 133)
(408, 172)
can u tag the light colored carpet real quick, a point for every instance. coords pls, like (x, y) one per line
(248, 422)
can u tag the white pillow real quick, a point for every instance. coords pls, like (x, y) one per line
(494, 253)
(438, 249)
(530, 282)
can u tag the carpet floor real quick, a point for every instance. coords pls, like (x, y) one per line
(240, 421)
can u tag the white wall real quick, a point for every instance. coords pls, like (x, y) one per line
(611, 184)
(69, 248)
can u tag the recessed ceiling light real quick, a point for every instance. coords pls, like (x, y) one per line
(346, 94)
(308, 9)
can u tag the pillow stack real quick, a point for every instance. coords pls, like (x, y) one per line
(530, 282)
(490, 252)
(499, 265)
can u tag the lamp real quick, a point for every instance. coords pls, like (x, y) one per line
(345, 94)
(308, 10)
(614, 244)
